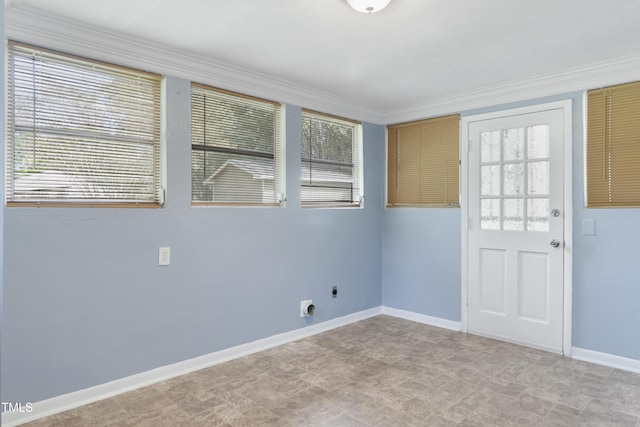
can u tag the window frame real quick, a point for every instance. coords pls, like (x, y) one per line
(612, 133)
(77, 67)
(451, 148)
(278, 155)
(357, 163)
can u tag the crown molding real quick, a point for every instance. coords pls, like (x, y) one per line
(620, 70)
(33, 26)
(30, 25)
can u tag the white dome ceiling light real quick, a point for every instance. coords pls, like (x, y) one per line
(368, 6)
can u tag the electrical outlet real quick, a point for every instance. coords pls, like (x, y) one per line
(164, 255)
(334, 292)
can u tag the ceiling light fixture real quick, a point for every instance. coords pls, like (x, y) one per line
(368, 6)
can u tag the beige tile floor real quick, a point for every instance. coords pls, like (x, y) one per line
(380, 372)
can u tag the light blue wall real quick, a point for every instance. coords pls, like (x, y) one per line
(606, 283)
(421, 267)
(86, 303)
(421, 261)
(606, 294)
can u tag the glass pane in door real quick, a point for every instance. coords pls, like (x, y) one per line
(538, 215)
(513, 144)
(490, 146)
(490, 180)
(513, 179)
(538, 178)
(514, 173)
(538, 142)
(513, 218)
(490, 214)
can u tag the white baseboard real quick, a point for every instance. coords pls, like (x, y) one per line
(606, 359)
(422, 318)
(72, 400)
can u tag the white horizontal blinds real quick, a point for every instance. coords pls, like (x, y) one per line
(613, 146)
(80, 130)
(423, 163)
(331, 165)
(234, 148)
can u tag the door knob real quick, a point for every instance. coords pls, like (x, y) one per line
(555, 243)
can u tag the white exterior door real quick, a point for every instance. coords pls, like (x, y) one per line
(515, 228)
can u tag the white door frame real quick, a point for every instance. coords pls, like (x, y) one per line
(566, 106)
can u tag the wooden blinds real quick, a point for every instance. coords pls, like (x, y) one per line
(423, 163)
(613, 146)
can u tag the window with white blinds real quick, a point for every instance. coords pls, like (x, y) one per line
(80, 131)
(235, 148)
(613, 147)
(331, 161)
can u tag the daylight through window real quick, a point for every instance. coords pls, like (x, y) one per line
(235, 148)
(331, 161)
(80, 131)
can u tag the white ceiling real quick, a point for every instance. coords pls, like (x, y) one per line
(413, 51)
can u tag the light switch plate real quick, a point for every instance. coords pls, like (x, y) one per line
(164, 255)
(589, 227)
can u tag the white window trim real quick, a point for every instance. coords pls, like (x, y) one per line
(357, 159)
